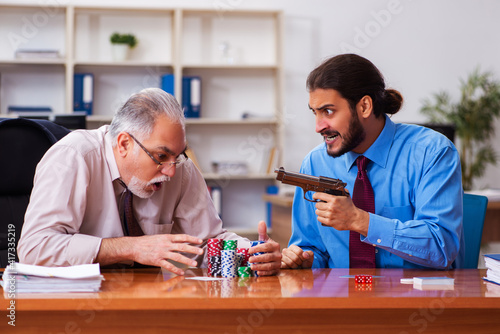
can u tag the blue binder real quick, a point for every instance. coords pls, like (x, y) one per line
(83, 92)
(191, 96)
(167, 83)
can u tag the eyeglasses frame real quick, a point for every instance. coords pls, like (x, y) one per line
(159, 165)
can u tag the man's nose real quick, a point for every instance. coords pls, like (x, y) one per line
(168, 170)
(320, 124)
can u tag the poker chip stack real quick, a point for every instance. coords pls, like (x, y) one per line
(229, 259)
(255, 243)
(244, 272)
(230, 245)
(215, 266)
(252, 244)
(242, 254)
(214, 257)
(226, 260)
(229, 264)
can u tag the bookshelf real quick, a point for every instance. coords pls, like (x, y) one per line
(237, 55)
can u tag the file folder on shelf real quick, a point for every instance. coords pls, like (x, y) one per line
(191, 96)
(83, 92)
(167, 83)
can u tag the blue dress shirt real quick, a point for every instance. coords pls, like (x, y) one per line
(416, 178)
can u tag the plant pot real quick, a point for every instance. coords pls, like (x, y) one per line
(120, 52)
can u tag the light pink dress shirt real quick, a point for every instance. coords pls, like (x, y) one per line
(73, 204)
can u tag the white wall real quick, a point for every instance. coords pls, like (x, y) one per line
(420, 46)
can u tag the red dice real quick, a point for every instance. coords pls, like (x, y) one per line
(363, 279)
(359, 279)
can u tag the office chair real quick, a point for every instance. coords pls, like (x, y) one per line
(23, 142)
(473, 222)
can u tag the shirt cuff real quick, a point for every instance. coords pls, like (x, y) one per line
(380, 231)
(83, 249)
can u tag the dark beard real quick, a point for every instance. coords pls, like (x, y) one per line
(355, 135)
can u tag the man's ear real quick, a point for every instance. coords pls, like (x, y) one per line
(365, 107)
(123, 144)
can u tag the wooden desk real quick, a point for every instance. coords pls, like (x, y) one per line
(296, 301)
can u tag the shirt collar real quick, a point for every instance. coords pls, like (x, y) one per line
(110, 157)
(378, 152)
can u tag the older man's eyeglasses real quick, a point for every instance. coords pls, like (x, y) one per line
(163, 158)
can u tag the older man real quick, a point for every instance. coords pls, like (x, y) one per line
(127, 193)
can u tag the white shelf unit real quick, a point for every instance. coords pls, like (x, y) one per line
(115, 81)
(238, 57)
(237, 54)
(28, 82)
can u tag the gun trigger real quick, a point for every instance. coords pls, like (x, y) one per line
(312, 200)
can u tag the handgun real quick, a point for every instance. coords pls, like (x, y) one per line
(312, 183)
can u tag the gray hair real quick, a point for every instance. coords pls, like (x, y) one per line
(139, 114)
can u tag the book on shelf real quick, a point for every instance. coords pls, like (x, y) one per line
(168, 84)
(24, 110)
(83, 92)
(37, 53)
(270, 190)
(191, 93)
(492, 263)
(191, 96)
(25, 278)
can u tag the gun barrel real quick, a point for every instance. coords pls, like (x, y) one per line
(311, 183)
(298, 178)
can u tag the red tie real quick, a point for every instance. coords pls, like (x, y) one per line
(361, 254)
(131, 224)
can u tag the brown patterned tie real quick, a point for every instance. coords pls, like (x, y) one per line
(361, 254)
(132, 227)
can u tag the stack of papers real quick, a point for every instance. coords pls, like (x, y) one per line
(24, 278)
(492, 262)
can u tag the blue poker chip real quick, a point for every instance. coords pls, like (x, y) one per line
(255, 243)
(229, 263)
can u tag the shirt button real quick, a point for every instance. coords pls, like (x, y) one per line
(376, 250)
(379, 240)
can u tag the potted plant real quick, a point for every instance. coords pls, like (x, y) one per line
(473, 117)
(122, 43)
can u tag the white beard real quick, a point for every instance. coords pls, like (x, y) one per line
(138, 187)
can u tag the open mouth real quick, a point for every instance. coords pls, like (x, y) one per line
(156, 186)
(330, 137)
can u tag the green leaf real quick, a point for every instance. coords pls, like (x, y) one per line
(128, 39)
(473, 117)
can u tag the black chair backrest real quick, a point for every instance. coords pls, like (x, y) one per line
(23, 142)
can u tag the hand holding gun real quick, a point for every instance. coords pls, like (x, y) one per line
(312, 183)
